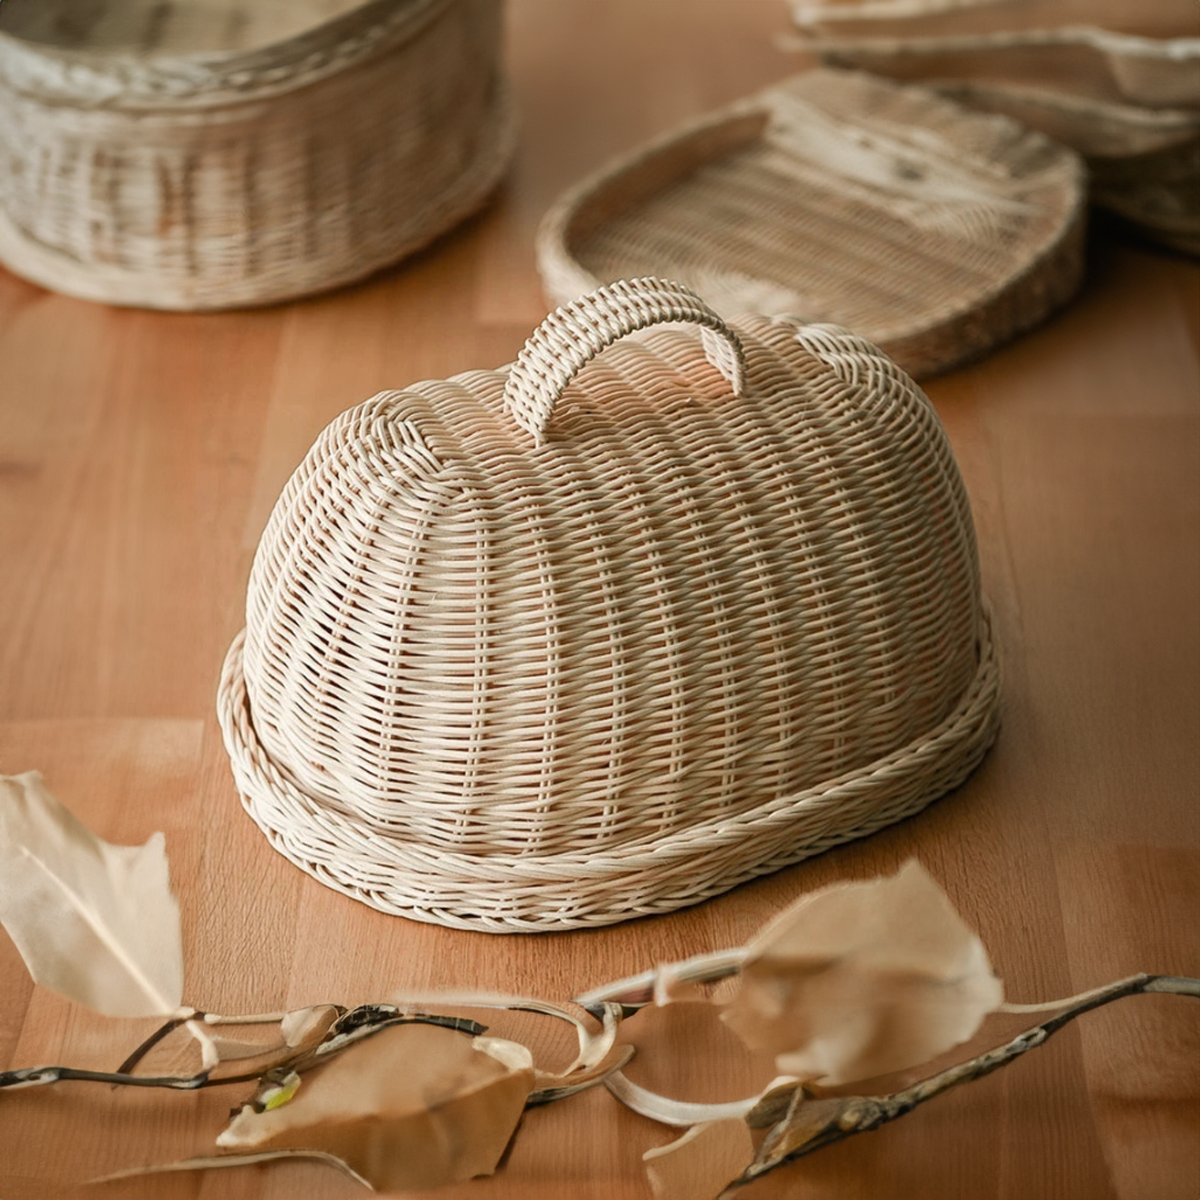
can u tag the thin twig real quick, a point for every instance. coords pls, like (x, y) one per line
(350, 1028)
(844, 1117)
(35, 1076)
(157, 1036)
(1054, 1005)
(636, 991)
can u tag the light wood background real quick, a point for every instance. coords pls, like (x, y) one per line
(140, 454)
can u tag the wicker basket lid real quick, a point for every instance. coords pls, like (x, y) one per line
(569, 642)
(936, 232)
(184, 155)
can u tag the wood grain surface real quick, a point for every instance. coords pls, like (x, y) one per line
(140, 454)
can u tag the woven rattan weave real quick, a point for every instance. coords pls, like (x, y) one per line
(1143, 163)
(933, 231)
(1144, 52)
(1117, 81)
(575, 641)
(196, 154)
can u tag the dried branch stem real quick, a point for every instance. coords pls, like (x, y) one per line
(351, 1027)
(847, 1116)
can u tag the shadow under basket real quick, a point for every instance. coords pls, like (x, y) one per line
(201, 154)
(574, 641)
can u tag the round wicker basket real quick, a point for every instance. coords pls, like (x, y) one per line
(194, 154)
(570, 642)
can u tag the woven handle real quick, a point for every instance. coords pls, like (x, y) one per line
(574, 334)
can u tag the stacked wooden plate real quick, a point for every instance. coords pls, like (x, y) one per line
(1118, 81)
(934, 231)
(216, 153)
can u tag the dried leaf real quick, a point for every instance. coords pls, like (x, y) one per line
(233, 1160)
(300, 1025)
(864, 979)
(807, 1118)
(558, 1087)
(301, 1032)
(592, 1047)
(95, 922)
(698, 1165)
(665, 1111)
(667, 983)
(414, 1106)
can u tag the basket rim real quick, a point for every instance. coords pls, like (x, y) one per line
(564, 275)
(98, 78)
(956, 745)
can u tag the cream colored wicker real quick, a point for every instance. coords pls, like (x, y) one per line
(195, 154)
(933, 231)
(954, 18)
(1146, 52)
(1143, 163)
(1101, 131)
(570, 642)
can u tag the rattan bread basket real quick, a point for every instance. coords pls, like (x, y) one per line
(574, 641)
(936, 232)
(197, 154)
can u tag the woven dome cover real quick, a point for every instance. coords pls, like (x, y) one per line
(574, 641)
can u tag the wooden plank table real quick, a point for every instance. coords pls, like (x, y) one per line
(140, 454)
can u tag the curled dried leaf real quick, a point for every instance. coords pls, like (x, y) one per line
(95, 922)
(300, 1032)
(667, 1111)
(592, 1046)
(413, 1106)
(301, 1026)
(668, 983)
(864, 979)
(558, 1087)
(234, 1160)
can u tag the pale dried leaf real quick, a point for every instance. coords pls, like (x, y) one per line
(298, 1040)
(774, 1102)
(666, 1111)
(593, 1047)
(551, 1087)
(668, 982)
(669, 988)
(512, 1054)
(597, 1047)
(698, 1165)
(234, 1160)
(93, 921)
(864, 979)
(299, 1025)
(413, 1106)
